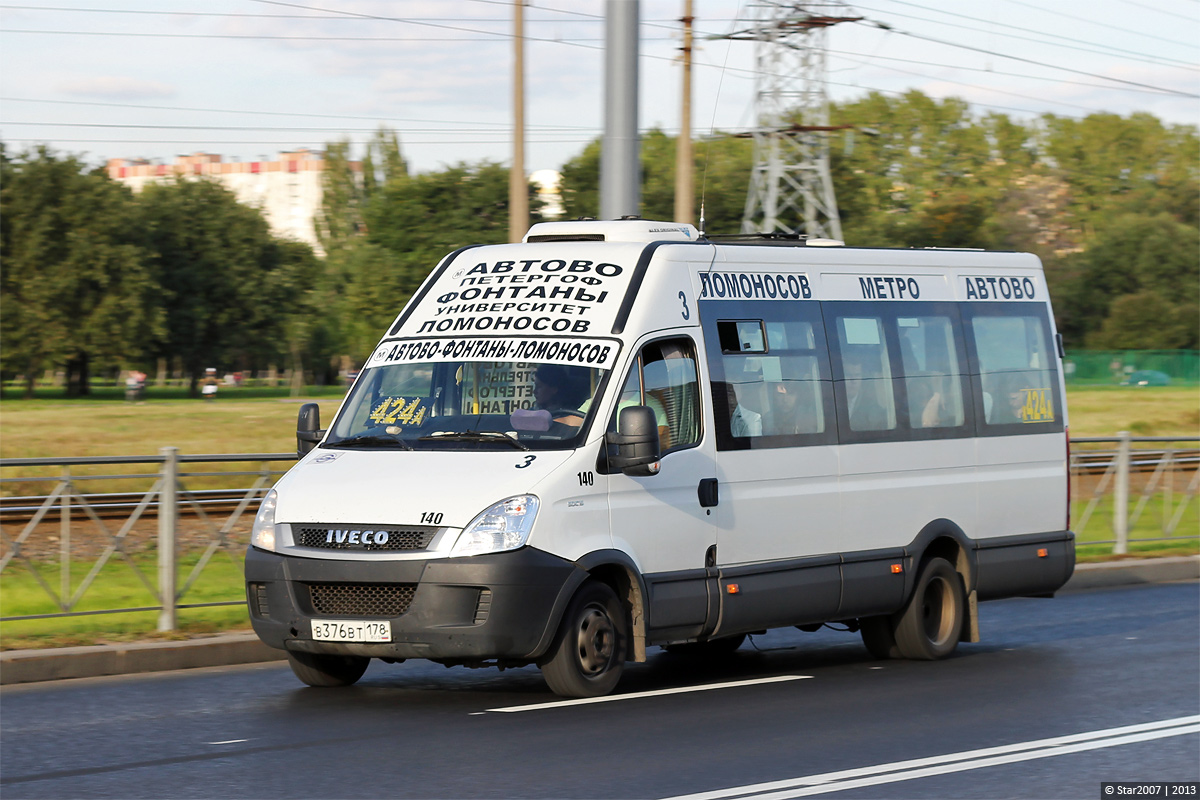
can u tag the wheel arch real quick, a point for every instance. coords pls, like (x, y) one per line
(943, 538)
(617, 569)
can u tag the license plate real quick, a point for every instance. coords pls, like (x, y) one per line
(352, 630)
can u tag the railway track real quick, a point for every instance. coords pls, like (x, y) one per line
(215, 503)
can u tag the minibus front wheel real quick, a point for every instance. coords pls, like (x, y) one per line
(324, 670)
(588, 653)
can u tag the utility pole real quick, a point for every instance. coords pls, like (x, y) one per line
(518, 187)
(683, 145)
(620, 167)
(790, 186)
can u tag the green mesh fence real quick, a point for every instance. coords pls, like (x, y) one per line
(1133, 367)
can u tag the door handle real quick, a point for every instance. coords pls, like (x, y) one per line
(707, 492)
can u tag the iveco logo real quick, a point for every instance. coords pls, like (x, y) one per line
(356, 537)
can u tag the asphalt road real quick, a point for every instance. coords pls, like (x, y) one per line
(1060, 696)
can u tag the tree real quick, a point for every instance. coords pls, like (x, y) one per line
(722, 178)
(1132, 255)
(227, 286)
(76, 286)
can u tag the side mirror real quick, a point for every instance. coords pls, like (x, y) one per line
(636, 440)
(308, 429)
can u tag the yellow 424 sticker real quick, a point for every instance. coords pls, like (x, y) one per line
(1037, 406)
(392, 410)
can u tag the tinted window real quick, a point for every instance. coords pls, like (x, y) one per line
(1015, 368)
(770, 374)
(932, 375)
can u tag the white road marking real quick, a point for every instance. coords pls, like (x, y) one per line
(231, 741)
(954, 762)
(613, 698)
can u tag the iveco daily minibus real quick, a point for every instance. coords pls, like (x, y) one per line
(622, 434)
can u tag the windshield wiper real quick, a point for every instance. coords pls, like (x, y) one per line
(372, 440)
(475, 436)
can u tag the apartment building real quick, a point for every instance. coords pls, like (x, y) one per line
(288, 191)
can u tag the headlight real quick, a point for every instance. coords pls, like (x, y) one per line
(263, 534)
(504, 526)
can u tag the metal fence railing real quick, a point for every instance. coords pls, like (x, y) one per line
(1141, 475)
(1117, 492)
(77, 513)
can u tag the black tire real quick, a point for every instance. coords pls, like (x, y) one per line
(588, 654)
(930, 625)
(322, 670)
(879, 637)
(713, 648)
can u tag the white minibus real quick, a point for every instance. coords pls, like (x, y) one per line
(622, 434)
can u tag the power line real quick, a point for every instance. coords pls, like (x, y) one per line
(976, 86)
(1118, 28)
(299, 38)
(1106, 49)
(1159, 10)
(140, 126)
(406, 21)
(868, 58)
(276, 113)
(287, 143)
(886, 27)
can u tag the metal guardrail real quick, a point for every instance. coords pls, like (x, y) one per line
(164, 499)
(1166, 464)
(168, 497)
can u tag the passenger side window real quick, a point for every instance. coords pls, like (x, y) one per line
(865, 394)
(771, 381)
(932, 375)
(1017, 374)
(665, 379)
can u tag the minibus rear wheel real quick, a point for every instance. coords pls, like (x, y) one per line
(588, 653)
(324, 670)
(929, 626)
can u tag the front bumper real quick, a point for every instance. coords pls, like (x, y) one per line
(498, 606)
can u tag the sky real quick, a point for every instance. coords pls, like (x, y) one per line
(248, 78)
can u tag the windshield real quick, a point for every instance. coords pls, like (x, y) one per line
(468, 405)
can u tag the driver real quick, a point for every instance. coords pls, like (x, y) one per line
(560, 390)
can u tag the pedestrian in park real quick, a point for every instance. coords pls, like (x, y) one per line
(208, 387)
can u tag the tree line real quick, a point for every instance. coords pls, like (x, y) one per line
(95, 278)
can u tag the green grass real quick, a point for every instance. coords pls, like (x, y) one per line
(1093, 553)
(117, 586)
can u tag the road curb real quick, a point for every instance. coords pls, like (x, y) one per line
(49, 664)
(1133, 571)
(29, 666)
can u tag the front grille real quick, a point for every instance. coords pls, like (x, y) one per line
(361, 599)
(351, 537)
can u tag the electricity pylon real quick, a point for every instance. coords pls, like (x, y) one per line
(790, 187)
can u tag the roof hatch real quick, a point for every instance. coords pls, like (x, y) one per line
(616, 230)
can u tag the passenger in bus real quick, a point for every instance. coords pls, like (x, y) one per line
(864, 409)
(926, 394)
(561, 391)
(742, 421)
(790, 412)
(1008, 401)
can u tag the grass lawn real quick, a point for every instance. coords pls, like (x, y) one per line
(244, 421)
